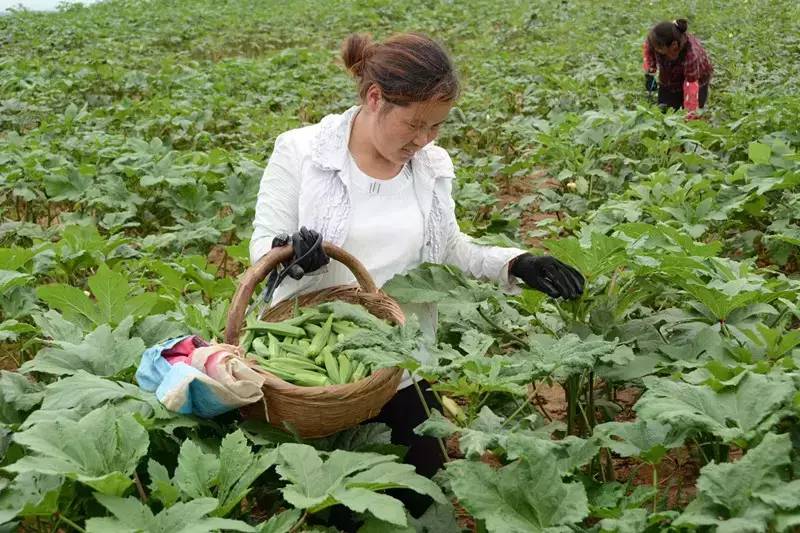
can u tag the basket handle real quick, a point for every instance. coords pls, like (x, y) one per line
(259, 271)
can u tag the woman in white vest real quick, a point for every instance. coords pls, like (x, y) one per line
(372, 181)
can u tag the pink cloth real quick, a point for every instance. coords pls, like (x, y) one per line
(213, 359)
(182, 352)
(691, 91)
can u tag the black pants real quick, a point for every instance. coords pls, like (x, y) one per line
(674, 99)
(403, 413)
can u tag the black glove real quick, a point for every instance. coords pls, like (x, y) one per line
(549, 275)
(650, 82)
(303, 241)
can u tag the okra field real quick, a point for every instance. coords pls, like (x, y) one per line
(133, 135)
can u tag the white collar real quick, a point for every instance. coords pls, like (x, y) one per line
(329, 147)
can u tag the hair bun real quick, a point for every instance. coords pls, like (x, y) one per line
(406, 67)
(682, 25)
(355, 51)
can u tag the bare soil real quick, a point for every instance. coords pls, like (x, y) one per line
(513, 189)
(9, 356)
(227, 267)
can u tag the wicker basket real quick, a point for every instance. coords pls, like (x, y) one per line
(317, 411)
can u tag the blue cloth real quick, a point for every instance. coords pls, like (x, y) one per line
(188, 389)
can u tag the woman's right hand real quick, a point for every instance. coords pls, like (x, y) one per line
(307, 251)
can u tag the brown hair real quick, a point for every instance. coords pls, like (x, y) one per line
(664, 34)
(409, 67)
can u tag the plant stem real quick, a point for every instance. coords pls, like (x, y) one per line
(723, 326)
(562, 313)
(600, 466)
(607, 465)
(780, 317)
(428, 414)
(583, 415)
(500, 328)
(481, 402)
(633, 473)
(71, 523)
(223, 265)
(519, 409)
(590, 401)
(679, 491)
(544, 412)
(572, 400)
(299, 522)
(613, 283)
(139, 487)
(723, 451)
(513, 415)
(655, 487)
(543, 326)
(60, 514)
(700, 449)
(661, 334)
(437, 395)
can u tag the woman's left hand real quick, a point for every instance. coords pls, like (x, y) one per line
(650, 83)
(549, 275)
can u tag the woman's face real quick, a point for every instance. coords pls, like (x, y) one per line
(399, 132)
(671, 52)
